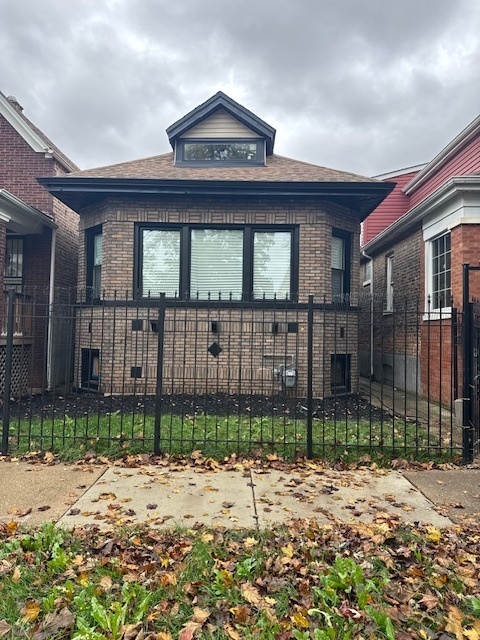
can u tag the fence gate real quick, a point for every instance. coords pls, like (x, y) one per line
(471, 371)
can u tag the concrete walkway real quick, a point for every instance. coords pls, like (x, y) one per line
(239, 497)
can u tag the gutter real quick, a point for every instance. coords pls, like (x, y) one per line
(51, 295)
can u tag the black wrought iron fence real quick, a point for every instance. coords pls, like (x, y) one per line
(223, 376)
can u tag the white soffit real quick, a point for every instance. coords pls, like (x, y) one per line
(21, 217)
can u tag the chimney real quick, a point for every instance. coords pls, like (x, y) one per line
(15, 103)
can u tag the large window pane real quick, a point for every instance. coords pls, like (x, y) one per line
(221, 151)
(97, 265)
(216, 263)
(441, 272)
(338, 267)
(161, 262)
(272, 264)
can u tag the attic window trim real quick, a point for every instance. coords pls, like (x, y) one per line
(260, 159)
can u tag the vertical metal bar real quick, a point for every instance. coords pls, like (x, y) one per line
(8, 372)
(467, 431)
(455, 352)
(310, 378)
(158, 393)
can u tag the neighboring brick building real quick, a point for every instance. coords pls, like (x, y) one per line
(38, 246)
(413, 260)
(220, 218)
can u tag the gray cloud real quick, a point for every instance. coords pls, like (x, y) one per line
(364, 86)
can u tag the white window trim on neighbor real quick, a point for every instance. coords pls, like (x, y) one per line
(389, 297)
(432, 313)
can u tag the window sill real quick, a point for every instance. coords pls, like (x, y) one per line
(388, 312)
(446, 314)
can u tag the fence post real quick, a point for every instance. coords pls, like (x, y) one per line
(467, 429)
(159, 387)
(8, 372)
(310, 378)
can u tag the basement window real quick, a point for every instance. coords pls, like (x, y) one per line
(90, 368)
(340, 373)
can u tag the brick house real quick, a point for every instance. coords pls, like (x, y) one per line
(220, 221)
(38, 247)
(414, 245)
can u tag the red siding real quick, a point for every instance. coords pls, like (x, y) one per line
(394, 206)
(464, 162)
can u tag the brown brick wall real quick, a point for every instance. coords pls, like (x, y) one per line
(245, 364)
(315, 219)
(250, 350)
(20, 166)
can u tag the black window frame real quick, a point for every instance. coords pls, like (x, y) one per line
(90, 235)
(180, 152)
(346, 236)
(185, 257)
(14, 282)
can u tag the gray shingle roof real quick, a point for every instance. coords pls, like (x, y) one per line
(277, 169)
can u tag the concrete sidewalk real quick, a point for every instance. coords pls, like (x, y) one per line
(240, 497)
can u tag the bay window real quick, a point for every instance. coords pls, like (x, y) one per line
(213, 262)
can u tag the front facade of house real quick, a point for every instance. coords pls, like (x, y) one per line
(38, 248)
(415, 263)
(235, 238)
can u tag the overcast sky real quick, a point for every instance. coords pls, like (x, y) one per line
(361, 85)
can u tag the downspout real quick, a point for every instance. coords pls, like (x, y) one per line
(371, 313)
(51, 294)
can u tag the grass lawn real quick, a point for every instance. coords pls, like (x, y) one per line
(219, 436)
(301, 581)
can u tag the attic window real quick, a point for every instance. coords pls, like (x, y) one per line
(232, 152)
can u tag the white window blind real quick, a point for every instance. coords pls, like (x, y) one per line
(272, 264)
(161, 262)
(338, 266)
(338, 253)
(97, 250)
(216, 263)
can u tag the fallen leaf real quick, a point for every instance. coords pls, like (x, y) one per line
(251, 594)
(429, 600)
(250, 542)
(231, 632)
(16, 575)
(106, 583)
(200, 615)
(30, 611)
(4, 628)
(53, 622)
(433, 534)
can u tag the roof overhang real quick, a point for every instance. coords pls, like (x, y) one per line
(77, 193)
(20, 217)
(463, 138)
(221, 101)
(450, 189)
